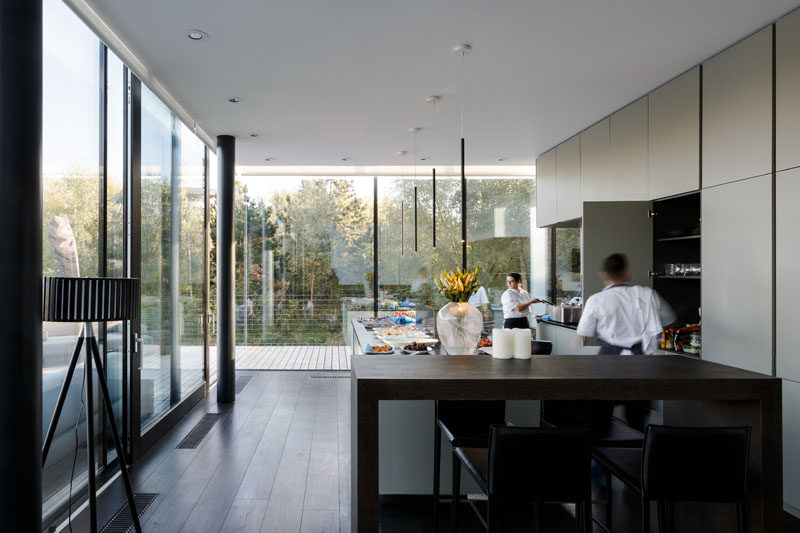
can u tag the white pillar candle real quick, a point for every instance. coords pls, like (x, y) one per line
(522, 343)
(502, 343)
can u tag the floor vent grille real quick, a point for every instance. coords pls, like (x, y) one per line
(122, 522)
(241, 383)
(199, 432)
(340, 375)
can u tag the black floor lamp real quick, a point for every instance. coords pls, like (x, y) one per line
(90, 300)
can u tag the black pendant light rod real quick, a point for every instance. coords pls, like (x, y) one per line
(463, 211)
(415, 218)
(433, 100)
(434, 208)
(402, 227)
(462, 50)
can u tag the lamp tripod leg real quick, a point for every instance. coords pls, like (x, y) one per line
(62, 396)
(90, 435)
(115, 434)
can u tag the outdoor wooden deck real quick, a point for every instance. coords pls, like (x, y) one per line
(293, 357)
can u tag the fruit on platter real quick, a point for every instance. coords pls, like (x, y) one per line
(416, 347)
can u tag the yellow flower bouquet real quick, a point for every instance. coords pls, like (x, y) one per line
(458, 286)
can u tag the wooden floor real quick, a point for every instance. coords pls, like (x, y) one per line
(278, 460)
(293, 357)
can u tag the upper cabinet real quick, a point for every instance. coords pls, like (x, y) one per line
(737, 111)
(595, 160)
(674, 137)
(614, 156)
(787, 91)
(627, 178)
(568, 179)
(546, 190)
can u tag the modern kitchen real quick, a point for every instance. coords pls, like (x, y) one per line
(696, 183)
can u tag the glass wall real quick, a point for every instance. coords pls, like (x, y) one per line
(172, 212)
(499, 238)
(405, 276)
(304, 245)
(564, 281)
(70, 222)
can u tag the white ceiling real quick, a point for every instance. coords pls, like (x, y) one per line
(325, 79)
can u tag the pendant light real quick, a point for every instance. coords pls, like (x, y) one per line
(462, 50)
(433, 100)
(415, 131)
(403, 154)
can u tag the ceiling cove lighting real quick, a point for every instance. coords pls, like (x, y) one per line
(433, 100)
(415, 131)
(462, 50)
(196, 35)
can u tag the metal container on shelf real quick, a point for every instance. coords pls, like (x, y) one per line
(568, 314)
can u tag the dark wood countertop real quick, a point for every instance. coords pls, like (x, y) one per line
(696, 392)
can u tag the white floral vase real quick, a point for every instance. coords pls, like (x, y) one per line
(459, 326)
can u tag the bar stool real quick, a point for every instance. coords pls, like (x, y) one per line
(464, 423)
(684, 464)
(605, 430)
(525, 466)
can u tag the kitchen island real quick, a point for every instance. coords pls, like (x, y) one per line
(695, 393)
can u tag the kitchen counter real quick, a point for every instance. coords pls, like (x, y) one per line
(695, 393)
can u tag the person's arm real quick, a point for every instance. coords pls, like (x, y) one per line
(587, 324)
(523, 306)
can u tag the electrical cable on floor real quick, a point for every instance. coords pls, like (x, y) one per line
(75, 457)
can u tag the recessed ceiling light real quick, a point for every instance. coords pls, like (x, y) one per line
(269, 159)
(196, 35)
(234, 99)
(502, 158)
(255, 134)
(423, 158)
(345, 159)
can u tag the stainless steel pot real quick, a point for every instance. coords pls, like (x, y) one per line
(564, 313)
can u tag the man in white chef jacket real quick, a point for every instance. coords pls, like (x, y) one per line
(516, 302)
(625, 318)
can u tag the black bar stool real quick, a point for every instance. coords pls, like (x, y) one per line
(464, 423)
(684, 464)
(530, 466)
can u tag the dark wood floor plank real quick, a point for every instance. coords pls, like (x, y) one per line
(170, 510)
(244, 516)
(322, 492)
(260, 476)
(343, 424)
(285, 509)
(320, 521)
(215, 502)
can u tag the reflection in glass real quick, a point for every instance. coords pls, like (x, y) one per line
(499, 238)
(70, 189)
(304, 247)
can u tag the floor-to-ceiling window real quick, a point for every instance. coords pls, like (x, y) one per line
(172, 259)
(498, 238)
(304, 245)
(71, 188)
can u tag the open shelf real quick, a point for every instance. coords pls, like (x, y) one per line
(680, 238)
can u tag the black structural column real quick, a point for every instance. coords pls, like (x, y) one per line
(20, 265)
(226, 340)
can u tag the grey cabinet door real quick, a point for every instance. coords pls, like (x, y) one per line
(568, 182)
(787, 270)
(673, 144)
(595, 158)
(791, 443)
(736, 255)
(737, 111)
(546, 189)
(627, 176)
(787, 91)
(610, 227)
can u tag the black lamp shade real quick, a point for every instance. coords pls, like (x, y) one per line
(89, 299)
